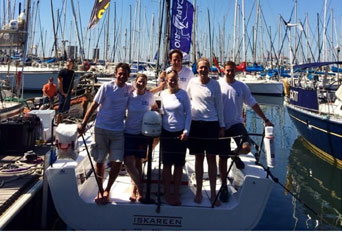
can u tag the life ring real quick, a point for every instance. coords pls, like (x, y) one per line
(86, 65)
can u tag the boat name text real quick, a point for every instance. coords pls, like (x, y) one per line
(157, 221)
(294, 95)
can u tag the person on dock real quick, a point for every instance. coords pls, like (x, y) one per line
(139, 102)
(111, 98)
(207, 123)
(176, 110)
(49, 92)
(65, 87)
(184, 74)
(234, 94)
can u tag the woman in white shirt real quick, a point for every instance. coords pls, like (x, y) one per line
(207, 123)
(139, 101)
(176, 126)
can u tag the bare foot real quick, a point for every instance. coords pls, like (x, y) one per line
(170, 200)
(177, 201)
(217, 202)
(133, 196)
(105, 199)
(98, 198)
(198, 198)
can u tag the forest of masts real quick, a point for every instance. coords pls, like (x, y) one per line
(243, 36)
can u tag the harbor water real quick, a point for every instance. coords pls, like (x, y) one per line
(316, 183)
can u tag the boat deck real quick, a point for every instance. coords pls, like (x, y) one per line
(120, 191)
(19, 181)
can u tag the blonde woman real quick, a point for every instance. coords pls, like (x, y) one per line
(139, 101)
(176, 127)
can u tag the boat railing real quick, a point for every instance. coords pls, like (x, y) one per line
(83, 171)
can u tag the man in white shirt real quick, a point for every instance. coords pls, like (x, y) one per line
(234, 94)
(184, 73)
(112, 100)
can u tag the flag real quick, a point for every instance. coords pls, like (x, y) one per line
(98, 10)
(181, 25)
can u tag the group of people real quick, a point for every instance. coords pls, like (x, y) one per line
(196, 111)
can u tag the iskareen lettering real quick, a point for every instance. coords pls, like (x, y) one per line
(157, 221)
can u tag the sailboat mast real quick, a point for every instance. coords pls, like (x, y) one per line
(77, 31)
(139, 37)
(194, 34)
(167, 32)
(130, 35)
(28, 21)
(295, 31)
(234, 32)
(209, 29)
(324, 47)
(107, 36)
(150, 47)
(161, 17)
(244, 32)
(54, 29)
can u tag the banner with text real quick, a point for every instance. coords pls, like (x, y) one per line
(99, 8)
(181, 25)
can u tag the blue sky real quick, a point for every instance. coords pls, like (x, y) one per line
(219, 10)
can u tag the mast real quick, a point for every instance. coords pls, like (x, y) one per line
(125, 59)
(28, 21)
(210, 39)
(307, 38)
(244, 32)
(139, 29)
(193, 36)
(150, 47)
(324, 47)
(332, 35)
(77, 31)
(318, 40)
(82, 39)
(167, 32)
(234, 33)
(238, 34)
(130, 35)
(114, 33)
(54, 29)
(161, 16)
(295, 31)
(8, 11)
(107, 35)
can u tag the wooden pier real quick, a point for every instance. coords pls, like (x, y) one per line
(20, 179)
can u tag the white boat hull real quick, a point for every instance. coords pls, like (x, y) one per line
(74, 200)
(34, 78)
(261, 86)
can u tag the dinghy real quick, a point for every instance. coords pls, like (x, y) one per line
(73, 188)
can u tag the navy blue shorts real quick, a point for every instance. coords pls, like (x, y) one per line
(64, 103)
(203, 137)
(136, 145)
(235, 130)
(173, 149)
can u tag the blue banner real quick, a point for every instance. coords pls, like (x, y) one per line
(181, 25)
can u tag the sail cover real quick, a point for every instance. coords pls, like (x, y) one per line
(181, 25)
(98, 10)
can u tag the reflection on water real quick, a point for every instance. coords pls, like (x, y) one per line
(316, 183)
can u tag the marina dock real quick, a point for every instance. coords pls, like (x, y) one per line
(21, 177)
